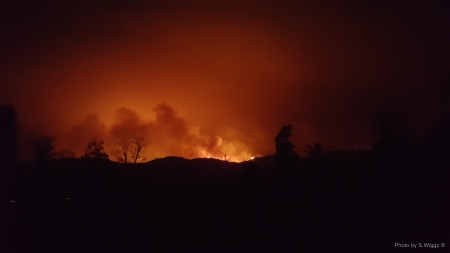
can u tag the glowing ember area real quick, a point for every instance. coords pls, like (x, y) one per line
(166, 135)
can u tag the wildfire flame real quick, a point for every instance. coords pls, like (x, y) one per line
(168, 134)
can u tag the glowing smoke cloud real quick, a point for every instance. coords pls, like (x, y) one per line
(167, 135)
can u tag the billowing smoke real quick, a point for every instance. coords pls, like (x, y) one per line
(239, 71)
(78, 135)
(168, 134)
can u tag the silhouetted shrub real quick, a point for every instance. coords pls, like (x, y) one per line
(95, 150)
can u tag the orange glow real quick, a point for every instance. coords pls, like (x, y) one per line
(167, 134)
(234, 73)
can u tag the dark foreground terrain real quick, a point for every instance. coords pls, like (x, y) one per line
(207, 205)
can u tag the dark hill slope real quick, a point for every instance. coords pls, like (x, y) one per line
(343, 203)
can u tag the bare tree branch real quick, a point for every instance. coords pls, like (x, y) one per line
(137, 145)
(123, 151)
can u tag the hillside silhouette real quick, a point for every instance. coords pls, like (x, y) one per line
(175, 204)
(329, 200)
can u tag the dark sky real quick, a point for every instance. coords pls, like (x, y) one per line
(197, 78)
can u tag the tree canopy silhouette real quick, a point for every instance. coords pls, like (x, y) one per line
(130, 150)
(95, 150)
(317, 150)
(319, 154)
(137, 145)
(284, 147)
(122, 152)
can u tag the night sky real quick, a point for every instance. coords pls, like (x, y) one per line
(202, 79)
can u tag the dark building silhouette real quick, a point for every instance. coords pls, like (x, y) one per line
(8, 152)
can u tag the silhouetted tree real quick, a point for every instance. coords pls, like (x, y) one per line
(317, 150)
(285, 154)
(284, 147)
(136, 148)
(95, 150)
(43, 147)
(318, 153)
(123, 151)
(130, 150)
